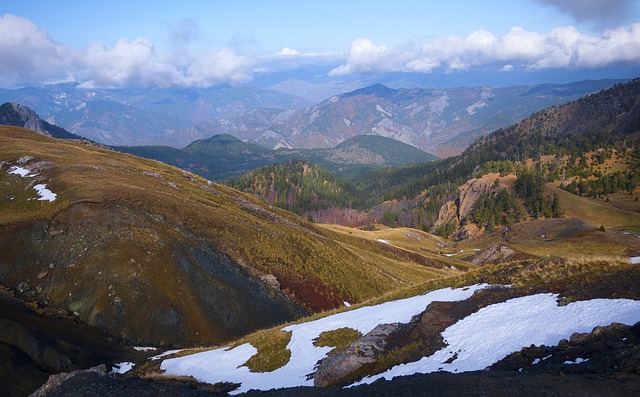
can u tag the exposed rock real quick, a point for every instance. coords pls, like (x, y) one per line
(468, 231)
(271, 281)
(448, 213)
(363, 351)
(56, 380)
(470, 191)
(397, 343)
(496, 254)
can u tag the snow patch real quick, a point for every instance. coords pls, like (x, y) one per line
(41, 188)
(145, 348)
(167, 353)
(635, 260)
(488, 335)
(225, 365)
(122, 368)
(44, 193)
(347, 304)
(23, 172)
(537, 360)
(383, 241)
(577, 361)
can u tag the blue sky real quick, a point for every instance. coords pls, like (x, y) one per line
(203, 43)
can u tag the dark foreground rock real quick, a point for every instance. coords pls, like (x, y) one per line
(609, 367)
(441, 384)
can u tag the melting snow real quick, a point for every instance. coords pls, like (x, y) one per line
(493, 332)
(168, 352)
(225, 365)
(383, 241)
(45, 194)
(145, 348)
(577, 361)
(635, 260)
(122, 368)
(473, 343)
(23, 172)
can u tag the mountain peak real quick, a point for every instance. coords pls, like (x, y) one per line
(19, 115)
(378, 89)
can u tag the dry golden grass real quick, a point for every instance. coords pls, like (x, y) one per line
(339, 339)
(595, 212)
(272, 350)
(304, 257)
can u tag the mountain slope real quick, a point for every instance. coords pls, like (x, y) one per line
(188, 260)
(21, 116)
(442, 122)
(297, 186)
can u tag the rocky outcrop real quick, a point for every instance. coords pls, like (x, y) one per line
(392, 344)
(21, 116)
(55, 381)
(466, 232)
(455, 211)
(365, 350)
(470, 191)
(448, 213)
(497, 254)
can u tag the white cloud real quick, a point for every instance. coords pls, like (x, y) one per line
(27, 52)
(29, 57)
(218, 67)
(288, 51)
(365, 56)
(563, 47)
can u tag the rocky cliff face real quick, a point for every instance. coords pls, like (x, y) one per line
(455, 211)
(19, 115)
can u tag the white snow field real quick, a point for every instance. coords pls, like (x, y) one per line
(476, 341)
(44, 193)
(222, 365)
(490, 334)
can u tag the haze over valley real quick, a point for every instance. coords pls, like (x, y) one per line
(413, 198)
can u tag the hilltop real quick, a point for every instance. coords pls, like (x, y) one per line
(224, 156)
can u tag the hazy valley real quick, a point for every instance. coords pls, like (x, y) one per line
(106, 255)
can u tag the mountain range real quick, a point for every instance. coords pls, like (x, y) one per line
(104, 254)
(439, 121)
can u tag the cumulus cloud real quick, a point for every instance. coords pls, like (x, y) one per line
(365, 56)
(29, 56)
(563, 47)
(601, 12)
(27, 52)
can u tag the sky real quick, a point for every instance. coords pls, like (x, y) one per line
(205, 43)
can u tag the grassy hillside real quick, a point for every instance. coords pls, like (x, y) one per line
(158, 255)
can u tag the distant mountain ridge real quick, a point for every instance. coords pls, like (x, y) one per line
(439, 121)
(19, 115)
(143, 116)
